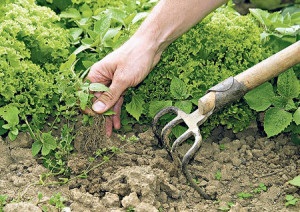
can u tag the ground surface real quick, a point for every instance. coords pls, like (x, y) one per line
(144, 178)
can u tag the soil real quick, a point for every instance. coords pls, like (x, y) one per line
(143, 178)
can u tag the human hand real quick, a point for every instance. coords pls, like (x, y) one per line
(123, 68)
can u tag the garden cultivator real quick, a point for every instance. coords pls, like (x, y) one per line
(217, 97)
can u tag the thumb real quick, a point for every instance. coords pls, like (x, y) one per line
(109, 98)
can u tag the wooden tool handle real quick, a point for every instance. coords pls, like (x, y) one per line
(224, 93)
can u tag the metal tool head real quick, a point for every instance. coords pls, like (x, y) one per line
(192, 121)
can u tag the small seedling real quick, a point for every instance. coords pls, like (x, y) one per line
(261, 187)
(130, 209)
(218, 175)
(222, 147)
(290, 200)
(244, 195)
(57, 200)
(226, 208)
(196, 180)
(3, 202)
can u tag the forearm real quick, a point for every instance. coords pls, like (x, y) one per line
(169, 19)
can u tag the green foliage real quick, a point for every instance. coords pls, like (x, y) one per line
(57, 200)
(3, 202)
(282, 105)
(261, 187)
(98, 27)
(290, 200)
(295, 181)
(218, 175)
(222, 45)
(281, 28)
(244, 195)
(280, 97)
(32, 47)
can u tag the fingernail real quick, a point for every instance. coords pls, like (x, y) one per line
(99, 107)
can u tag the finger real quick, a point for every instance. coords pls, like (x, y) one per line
(109, 98)
(108, 126)
(101, 72)
(116, 117)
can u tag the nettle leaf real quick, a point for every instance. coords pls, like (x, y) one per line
(36, 147)
(185, 106)
(276, 120)
(135, 107)
(296, 116)
(288, 84)
(156, 106)
(98, 87)
(260, 98)
(178, 89)
(49, 143)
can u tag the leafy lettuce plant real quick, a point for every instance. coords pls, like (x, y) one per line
(32, 47)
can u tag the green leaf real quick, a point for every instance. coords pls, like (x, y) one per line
(178, 130)
(296, 116)
(135, 107)
(36, 147)
(83, 99)
(178, 89)
(295, 181)
(2, 130)
(276, 120)
(49, 143)
(156, 106)
(75, 33)
(109, 113)
(69, 63)
(260, 98)
(185, 106)
(10, 114)
(288, 84)
(139, 17)
(12, 136)
(289, 197)
(102, 25)
(98, 87)
(71, 13)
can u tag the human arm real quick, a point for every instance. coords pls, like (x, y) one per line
(131, 63)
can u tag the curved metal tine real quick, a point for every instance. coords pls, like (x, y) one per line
(186, 159)
(181, 139)
(156, 118)
(165, 132)
(193, 150)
